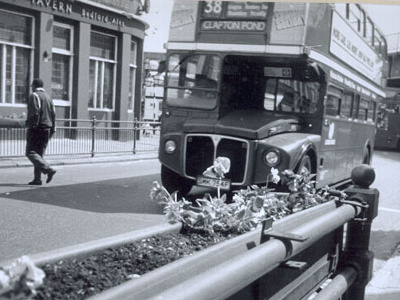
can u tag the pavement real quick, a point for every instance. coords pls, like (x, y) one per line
(384, 285)
(57, 160)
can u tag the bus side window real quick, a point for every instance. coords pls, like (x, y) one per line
(371, 111)
(356, 105)
(332, 106)
(363, 110)
(346, 106)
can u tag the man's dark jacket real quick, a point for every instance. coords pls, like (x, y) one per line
(41, 111)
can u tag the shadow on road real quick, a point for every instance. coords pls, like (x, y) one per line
(388, 153)
(126, 195)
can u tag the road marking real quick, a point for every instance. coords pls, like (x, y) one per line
(390, 209)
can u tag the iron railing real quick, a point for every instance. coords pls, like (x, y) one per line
(74, 136)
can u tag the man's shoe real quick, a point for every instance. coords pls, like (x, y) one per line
(50, 175)
(35, 182)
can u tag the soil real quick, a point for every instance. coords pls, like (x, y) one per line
(82, 278)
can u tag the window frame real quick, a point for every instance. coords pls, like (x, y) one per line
(336, 93)
(356, 17)
(100, 63)
(363, 109)
(3, 69)
(347, 96)
(70, 53)
(132, 76)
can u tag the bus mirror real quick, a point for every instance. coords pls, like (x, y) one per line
(161, 67)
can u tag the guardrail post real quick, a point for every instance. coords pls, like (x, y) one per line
(356, 253)
(93, 135)
(135, 130)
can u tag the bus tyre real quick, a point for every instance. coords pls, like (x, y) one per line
(366, 158)
(173, 182)
(304, 165)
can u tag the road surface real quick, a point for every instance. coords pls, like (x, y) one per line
(86, 202)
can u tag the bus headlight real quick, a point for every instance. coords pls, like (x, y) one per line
(170, 146)
(272, 157)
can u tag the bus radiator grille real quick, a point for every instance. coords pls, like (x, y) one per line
(201, 152)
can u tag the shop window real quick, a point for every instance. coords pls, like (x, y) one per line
(132, 75)
(102, 71)
(15, 57)
(62, 62)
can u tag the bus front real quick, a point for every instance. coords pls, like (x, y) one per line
(227, 95)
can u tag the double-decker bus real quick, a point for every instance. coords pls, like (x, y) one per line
(269, 85)
(388, 130)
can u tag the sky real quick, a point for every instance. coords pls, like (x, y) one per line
(384, 15)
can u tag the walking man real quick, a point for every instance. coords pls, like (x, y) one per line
(41, 123)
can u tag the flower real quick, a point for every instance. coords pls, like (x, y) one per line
(23, 270)
(275, 175)
(220, 167)
(156, 191)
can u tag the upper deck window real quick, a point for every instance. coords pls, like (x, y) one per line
(356, 18)
(380, 43)
(192, 80)
(369, 31)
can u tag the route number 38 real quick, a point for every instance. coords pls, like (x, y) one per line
(212, 7)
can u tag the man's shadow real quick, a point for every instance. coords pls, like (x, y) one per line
(125, 195)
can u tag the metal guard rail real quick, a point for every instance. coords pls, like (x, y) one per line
(78, 136)
(228, 278)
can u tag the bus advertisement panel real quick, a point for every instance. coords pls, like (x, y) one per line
(244, 81)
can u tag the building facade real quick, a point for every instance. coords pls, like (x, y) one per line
(89, 54)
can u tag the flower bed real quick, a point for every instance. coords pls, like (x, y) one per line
(84, 277)
(209, 222)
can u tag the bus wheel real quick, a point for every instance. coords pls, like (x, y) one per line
(304, 165)
(174, 182)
